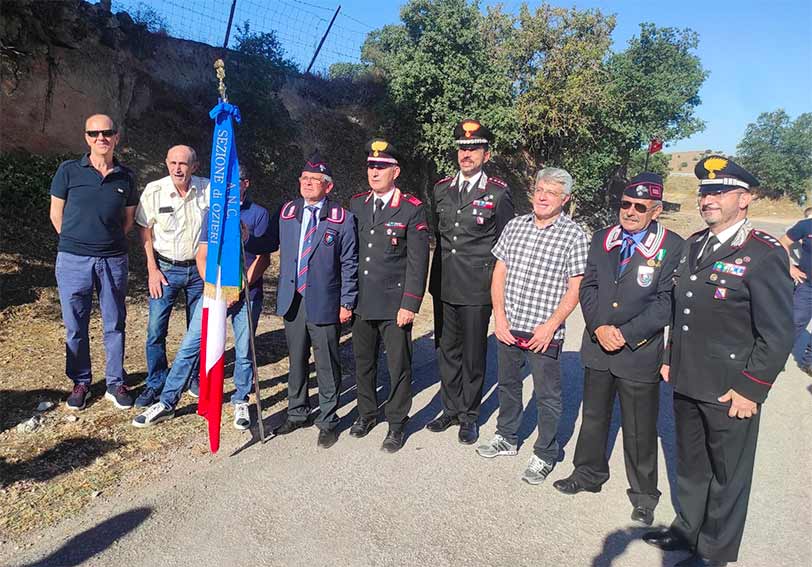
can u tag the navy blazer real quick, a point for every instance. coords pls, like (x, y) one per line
(332, 278)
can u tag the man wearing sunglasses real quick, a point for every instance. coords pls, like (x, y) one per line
(731, 335)
(626, 302)
(93, 202)
(170, 219)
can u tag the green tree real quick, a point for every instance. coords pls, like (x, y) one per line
(778, 151)
(657, 163)
(440, 67)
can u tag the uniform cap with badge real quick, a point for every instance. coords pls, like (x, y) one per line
(646, 185)
(315, 164)
(720, 174)
(381, 153)
(471, 134)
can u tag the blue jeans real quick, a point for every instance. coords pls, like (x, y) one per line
(186, 359)
(802, 313)
(77, 277)
(178, 278)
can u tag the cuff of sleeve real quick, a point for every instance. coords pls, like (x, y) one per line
(411, 301)
(752, 387)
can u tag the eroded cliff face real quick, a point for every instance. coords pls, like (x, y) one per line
(64, 60)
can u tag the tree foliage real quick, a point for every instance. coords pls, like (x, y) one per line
(778, 151)
(546, 82)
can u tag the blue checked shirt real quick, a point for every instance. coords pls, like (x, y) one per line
(539, 263)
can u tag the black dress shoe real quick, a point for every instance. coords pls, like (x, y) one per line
(327, 438)
(666, 540)
(289, 427)
(572, 485)
(393, 442)
(362, 426)
(696, 560)
(643, 515)
(442, 423)
(469, 433)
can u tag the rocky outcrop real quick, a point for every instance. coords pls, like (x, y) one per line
(64, 60)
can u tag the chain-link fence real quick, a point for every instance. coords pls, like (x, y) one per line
(298, 25)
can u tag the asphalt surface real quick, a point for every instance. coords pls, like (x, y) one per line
(436, 502)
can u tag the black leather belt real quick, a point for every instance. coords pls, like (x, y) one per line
(181, 263)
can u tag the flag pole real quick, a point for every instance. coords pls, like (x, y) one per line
(257, 397)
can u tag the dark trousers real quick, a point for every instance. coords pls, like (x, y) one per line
(301, 335)
(547, 389)
(715, 455)
(461, 359)
(639, 406)
(366, 338)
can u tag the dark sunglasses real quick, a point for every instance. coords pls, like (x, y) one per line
(105, 133)
(639, 207)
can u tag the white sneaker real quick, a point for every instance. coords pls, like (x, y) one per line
(537, 470)
(497, 447)
(155, 413)
(242, 418)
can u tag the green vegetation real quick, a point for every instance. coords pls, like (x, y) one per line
(778, 151)
(545, 82)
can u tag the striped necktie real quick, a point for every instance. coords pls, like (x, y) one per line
(307, 248)
(626, 251)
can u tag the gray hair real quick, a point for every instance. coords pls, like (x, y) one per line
(245, 173)
(326, 178)
(556, 175)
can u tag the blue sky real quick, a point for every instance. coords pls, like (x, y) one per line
(758, 53)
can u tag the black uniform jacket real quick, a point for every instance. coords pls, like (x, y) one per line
(468, 227)
(638, 302)
(732, 317)
(393, 256)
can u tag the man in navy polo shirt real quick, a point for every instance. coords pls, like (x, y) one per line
(93, 202)
(254, 219)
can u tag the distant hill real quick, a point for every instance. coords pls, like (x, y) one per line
(684, 162)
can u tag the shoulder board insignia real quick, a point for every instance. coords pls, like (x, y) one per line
(497, 181)
(412, 199)
(361, 194)
(766, 238)
(444, 180)
(288, 210)
(337, 215)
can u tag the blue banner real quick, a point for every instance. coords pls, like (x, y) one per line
(224, 206)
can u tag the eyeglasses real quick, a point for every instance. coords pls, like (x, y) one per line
(309, 179)
(639, 207)
(547, 193)
(105, 133)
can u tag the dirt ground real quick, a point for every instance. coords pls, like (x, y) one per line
(56, 470)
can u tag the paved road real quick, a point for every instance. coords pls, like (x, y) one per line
(434, 503)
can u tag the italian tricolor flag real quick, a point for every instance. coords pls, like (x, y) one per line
(223, 265)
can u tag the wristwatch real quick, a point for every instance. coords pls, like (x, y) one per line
(347, 306)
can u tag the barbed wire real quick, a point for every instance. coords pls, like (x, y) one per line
(297, 24)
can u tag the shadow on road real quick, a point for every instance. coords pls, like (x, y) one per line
(85, 545)
(616, 542)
